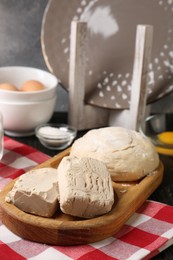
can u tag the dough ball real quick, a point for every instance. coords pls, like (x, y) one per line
(127, 154)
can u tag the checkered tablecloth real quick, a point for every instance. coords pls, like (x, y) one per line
(146, 233)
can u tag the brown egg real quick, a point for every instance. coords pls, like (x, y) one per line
(32, 85)
(8, 86)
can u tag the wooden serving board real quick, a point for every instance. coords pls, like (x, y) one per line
(67, 230)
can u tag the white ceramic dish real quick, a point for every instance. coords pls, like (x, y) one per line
(56, 136)
(111, 41)
(21, 119)
(18, 75)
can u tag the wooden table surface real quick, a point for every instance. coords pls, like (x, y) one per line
(164, 192)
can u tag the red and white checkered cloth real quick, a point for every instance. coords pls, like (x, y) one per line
(146, 233)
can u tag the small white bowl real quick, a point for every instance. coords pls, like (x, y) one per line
(17, 75)
(21, 119)
(56, 136)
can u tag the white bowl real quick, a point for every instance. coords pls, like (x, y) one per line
(21, 119)
(18, 75)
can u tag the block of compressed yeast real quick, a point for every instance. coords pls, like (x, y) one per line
(85, 187)
(128, 155)
(36, 192)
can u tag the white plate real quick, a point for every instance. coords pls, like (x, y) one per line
(111, 31)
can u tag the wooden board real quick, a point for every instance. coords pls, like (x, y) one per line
(67, 230)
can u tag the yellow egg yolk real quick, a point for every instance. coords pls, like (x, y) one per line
(166, 137)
